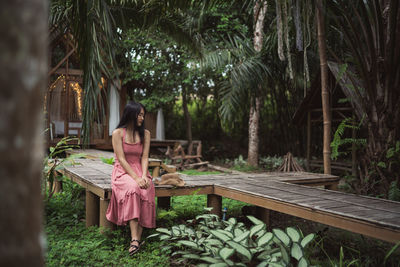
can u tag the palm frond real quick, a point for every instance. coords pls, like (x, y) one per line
(244, 69)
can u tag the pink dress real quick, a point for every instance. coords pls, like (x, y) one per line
(128, 200)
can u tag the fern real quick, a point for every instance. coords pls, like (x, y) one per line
(347, 123)
(394, 191)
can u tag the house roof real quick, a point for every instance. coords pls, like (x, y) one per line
(342, 94)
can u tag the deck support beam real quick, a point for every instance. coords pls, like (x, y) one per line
(164, 203)
(264, 215)
(215, 202)
(333, 186)
(92, 209)
(103, 222)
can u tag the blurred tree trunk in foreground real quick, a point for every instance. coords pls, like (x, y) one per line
(23, 65)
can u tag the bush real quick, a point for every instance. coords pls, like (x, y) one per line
(212, 242)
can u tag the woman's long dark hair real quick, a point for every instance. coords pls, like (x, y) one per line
(129, 118)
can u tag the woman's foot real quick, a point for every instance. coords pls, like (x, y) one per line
(134, 246)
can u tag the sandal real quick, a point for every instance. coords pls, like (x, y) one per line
(135, 247)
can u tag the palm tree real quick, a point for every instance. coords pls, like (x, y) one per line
(371, 33)
(24, 66)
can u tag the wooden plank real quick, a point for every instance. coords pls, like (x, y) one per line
(169, 191)
(350, 224)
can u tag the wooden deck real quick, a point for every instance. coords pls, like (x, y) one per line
(288, 193)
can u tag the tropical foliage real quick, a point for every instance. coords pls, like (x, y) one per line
(209, 241)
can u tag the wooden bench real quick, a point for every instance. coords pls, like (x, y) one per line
(177, 153)
(293, 193)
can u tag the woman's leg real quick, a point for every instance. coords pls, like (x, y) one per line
(136, 233)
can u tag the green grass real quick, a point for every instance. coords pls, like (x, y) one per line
(70, 243)
(196, 172)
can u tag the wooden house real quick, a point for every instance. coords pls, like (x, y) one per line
(343, 103)
(63, 105)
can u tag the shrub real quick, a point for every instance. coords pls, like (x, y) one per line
(211, 242)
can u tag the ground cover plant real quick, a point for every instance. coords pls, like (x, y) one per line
(214, 242)
(70, 243)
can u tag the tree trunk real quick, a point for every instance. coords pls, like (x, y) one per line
(188, 120)
(324, 88)
(260, 9)
(253, 132)
(23, 65)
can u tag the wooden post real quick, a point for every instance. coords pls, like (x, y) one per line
(215, 202)
(264, 215)
(353, 154)
(92, 209)
(156, 171)
(103, 222)
(324, 87)
(164, 203)
(57, 186)
(308, 140)
(334, 186)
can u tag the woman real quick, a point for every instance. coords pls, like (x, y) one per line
(133, 194)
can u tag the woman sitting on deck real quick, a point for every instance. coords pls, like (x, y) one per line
(133, 194)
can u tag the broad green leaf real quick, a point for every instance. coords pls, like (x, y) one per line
(256, 228)
(164, 230)
(263, 264)
(237, 232)
(153, 235)
(240, 249)
(254, 220)
(189, 244)
(189, 231)
(191, 256)
(213, 242)
(296, 251)
(225, 253)
(221, 264)
(285, 254)
(226, 233)
(303, 262)
(179, 252)
(176, 231)
(277, 264)
(261, 233)
(199, 234)
(282, 236)
(307, 239)
(241, 237)
(220, 235)
(164, 237)
(265, 239)
(293, 234)
(268, 253)
(210, 259)
(232, 220)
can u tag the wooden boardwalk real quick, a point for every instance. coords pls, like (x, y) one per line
(288, 193)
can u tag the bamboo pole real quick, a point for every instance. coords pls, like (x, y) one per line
(324, 88)
(308, 140)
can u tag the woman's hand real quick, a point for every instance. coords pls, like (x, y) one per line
(143, 183)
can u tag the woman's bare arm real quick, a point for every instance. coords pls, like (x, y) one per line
(117, 137)
(145, 154)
